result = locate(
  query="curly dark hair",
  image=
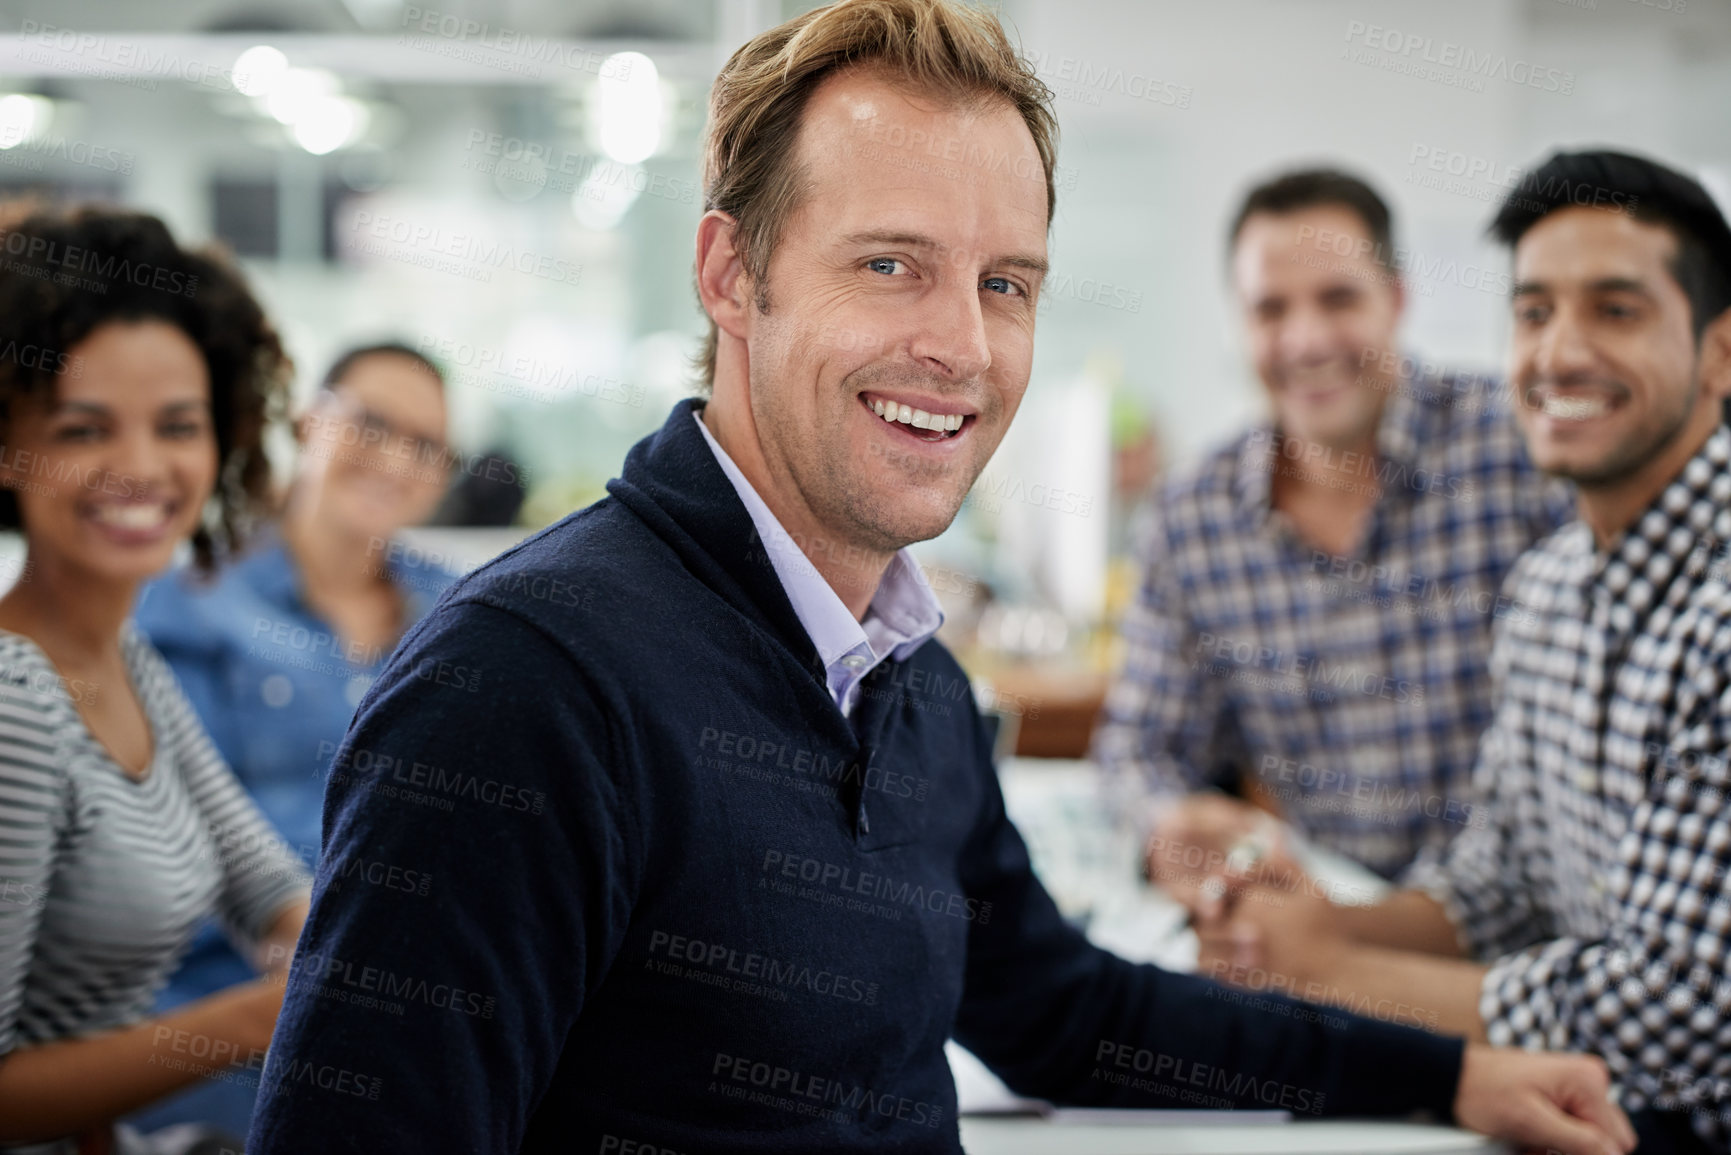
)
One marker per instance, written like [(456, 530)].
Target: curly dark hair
[(65, 274)]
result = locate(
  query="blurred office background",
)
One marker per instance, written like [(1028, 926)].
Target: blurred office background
[(511, 186)]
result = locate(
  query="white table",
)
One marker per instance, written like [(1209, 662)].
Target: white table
[(1090, 865), (994, 1136)]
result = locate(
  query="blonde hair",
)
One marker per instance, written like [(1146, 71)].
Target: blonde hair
[(756, 105)]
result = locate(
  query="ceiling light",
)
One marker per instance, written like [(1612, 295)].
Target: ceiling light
[(297, 89), (24, 117), (257, 70), (628, 107), (328, 123)]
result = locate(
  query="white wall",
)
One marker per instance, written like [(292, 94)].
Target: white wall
[(1157, 184)]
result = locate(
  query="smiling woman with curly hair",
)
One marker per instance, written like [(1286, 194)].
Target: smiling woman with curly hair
[(63, 277), (136, 381)]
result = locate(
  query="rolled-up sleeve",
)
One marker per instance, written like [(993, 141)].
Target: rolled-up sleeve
[(1650, 996), (1166, 720), (1479, 877)]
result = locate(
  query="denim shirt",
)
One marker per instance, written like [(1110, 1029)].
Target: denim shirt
[(272, 682)]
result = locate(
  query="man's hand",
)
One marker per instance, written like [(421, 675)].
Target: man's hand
[(1189, 854), (1558, 1102), (1292, 942), (1292, 933)]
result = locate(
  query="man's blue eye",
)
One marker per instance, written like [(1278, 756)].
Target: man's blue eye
[(1000, 285), (886, 265)]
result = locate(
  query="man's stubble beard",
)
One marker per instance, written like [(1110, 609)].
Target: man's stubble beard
[(1630, 458), (827, 487), (1364, 424), (876, 523)]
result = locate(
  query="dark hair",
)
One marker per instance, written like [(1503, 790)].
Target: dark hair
[(1647, 191), (350, 358), (1312, 187), (65, 274)]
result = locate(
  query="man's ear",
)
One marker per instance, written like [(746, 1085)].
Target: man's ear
[(1716, 356), (722, 283)]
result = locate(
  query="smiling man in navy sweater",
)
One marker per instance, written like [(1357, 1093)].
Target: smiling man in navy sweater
[(715, 855)]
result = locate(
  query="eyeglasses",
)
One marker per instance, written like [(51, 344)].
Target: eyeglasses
[(373, 430)]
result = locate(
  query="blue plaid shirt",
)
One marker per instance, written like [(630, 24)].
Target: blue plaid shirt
[(1353, 689)]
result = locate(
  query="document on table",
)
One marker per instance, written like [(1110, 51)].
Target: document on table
[(979, 1092), (1122, 1117)]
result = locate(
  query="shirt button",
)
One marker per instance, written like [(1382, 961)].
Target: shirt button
[(854, 661), (277, 691), (357, 688)]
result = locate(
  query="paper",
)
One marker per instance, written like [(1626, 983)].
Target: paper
[(1122, 1117)]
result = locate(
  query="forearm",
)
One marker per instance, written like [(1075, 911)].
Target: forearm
[(1442, 992), (1413, 990), (1262, 1050), (277, 946), (71, 1085), (1407, 920), (1058, 1019)]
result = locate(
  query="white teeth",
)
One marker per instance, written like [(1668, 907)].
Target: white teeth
[(1573, 408), (136, 517), (918, 418)]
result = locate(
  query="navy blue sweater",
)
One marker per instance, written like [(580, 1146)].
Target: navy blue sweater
[(604, 865)]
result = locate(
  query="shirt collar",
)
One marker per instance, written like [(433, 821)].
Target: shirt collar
[(904, 612), (1397, 434), (1678, 533), (270, 570)]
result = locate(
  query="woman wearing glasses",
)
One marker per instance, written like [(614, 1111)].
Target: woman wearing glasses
[(136, 381), (277, 651)]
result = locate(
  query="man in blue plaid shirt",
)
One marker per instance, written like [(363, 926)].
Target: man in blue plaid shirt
[(1313, 627), (1593, 902)]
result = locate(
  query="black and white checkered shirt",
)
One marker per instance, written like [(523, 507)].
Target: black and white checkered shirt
[(1352, 689), (1597, 889)]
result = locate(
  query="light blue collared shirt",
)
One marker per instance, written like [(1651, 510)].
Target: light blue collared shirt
[(903, 613)]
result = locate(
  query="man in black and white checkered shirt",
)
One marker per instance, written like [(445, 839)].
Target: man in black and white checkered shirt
[(1593, 899)]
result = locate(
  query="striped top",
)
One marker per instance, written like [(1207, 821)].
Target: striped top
[(104, 878)]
